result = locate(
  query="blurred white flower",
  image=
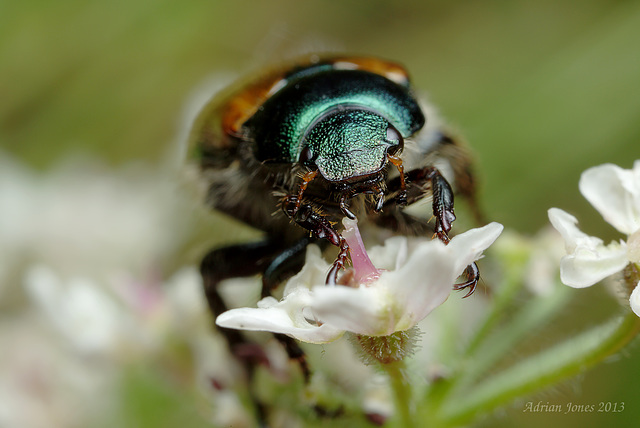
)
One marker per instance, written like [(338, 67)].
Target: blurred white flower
[(615, 193), (43, 385), (84, 218), (378, 401), (78, 309), (542, 252), (377, 303), (541, 277), (81, 249)]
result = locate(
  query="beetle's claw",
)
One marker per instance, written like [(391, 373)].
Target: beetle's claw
[(332, 276), (344, 207), (338, 264), (442, 232), (443, 224), (472, 273)]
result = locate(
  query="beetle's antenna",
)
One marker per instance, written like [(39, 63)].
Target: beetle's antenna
[(397, 162), (306, 179)]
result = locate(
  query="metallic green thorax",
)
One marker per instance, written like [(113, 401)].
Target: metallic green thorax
[(349, 144), (289, 118)]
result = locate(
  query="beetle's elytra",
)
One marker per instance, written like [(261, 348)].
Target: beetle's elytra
[(293, 150)]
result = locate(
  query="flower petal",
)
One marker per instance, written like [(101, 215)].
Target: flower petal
[(470, 244), (397, 300), (588, 260), (615, 193), (634, 300), (423, 283), (587, 267), (391, 255), (312, 273), (401, 298), (362, 310), (284, 317), (426, 280), (573, 237)]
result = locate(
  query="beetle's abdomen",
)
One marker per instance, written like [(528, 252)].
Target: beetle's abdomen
[(280, 123)]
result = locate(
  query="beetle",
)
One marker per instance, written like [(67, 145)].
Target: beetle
[(295, 149)]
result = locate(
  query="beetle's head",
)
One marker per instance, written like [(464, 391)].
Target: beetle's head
[(350, 144)]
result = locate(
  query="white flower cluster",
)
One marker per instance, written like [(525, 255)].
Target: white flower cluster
[(417, 276), (80, 285), (615, 193)]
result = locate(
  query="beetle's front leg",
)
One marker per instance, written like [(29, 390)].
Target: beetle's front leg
[(305, 216), (443, 211), (472, 275), (442, 196), (442, 204)]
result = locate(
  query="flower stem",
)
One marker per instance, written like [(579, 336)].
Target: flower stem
[(546, 368), (515, 262), (401, 390)]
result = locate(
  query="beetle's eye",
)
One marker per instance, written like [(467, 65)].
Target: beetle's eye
[(306, 157), (393, 135)]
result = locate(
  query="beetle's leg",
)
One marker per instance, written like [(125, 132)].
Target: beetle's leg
[(472, 275), (344, 207), (442, 203), (320, 228), (379, 198), (284, 265), (454, 150), (287, 263), (229, 262), (442, 195), (246, 260)]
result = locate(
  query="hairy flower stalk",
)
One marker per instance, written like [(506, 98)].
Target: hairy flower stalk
[(387, 352), (386, 349)]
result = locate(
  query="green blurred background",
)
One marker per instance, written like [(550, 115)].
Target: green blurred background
[(541, 89)]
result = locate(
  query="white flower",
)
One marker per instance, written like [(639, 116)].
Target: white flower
[(78, 309), (81, 218), (43, 385), (420, 276), (615, 193), (82, 249)]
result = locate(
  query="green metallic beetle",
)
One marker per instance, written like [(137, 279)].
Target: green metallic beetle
[(314, 141)]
